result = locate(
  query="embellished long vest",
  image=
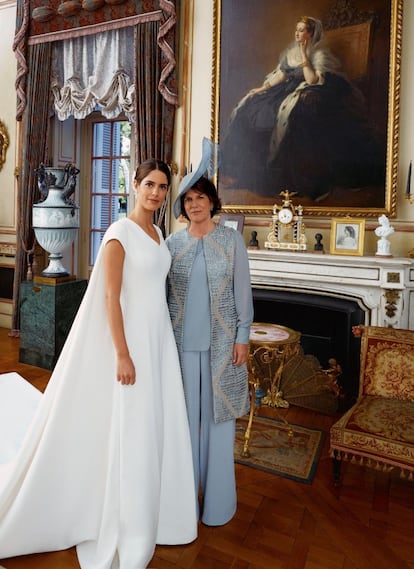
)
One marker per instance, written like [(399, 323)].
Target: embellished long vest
[(230, 385)]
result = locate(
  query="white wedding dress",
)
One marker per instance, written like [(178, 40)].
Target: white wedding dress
[(102, 466)]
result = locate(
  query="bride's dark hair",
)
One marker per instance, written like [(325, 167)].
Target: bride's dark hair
[(148, 166)]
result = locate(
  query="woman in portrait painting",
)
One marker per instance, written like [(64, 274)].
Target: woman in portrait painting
[(305, 128)]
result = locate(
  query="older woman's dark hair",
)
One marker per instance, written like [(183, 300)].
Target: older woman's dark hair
[(148, 166), (204, 186)]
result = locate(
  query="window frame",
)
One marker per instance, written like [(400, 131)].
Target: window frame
[(87, 193)]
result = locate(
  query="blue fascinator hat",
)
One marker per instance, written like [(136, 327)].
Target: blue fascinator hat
[(208, 166)]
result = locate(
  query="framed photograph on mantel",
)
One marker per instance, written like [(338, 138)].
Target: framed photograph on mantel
[(234, 221), (347, 236), (307, 104)]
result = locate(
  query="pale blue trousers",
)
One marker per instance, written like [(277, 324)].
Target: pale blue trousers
[(212, 443)]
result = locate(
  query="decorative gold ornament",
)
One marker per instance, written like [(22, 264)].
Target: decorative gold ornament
[(288, 229), (392, 298), (4, 143)]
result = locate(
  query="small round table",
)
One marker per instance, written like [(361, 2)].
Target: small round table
[(270, 345)]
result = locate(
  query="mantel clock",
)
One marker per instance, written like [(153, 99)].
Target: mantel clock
[(288, 229)]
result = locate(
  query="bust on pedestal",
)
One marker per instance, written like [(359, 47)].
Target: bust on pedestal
[(253, 243), (383, 230)]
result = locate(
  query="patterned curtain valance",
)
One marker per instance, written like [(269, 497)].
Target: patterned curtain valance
[(60, 19), (40, 21)]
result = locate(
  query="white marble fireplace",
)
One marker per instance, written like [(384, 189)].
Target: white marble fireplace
[(323, 296), (382, 287)]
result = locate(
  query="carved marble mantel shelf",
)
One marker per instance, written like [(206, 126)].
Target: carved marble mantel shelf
[(382, 286)]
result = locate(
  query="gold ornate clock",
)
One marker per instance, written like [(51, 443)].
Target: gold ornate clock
[(288, 229)]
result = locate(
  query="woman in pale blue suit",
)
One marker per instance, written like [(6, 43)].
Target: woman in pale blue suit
[(211, 307)]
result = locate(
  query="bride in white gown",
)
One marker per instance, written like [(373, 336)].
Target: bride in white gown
[(106, 461)]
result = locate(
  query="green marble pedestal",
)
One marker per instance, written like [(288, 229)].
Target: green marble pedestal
[(46, 315)]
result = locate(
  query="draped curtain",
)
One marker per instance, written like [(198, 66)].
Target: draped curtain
[(154, 117), (33, 152), (95, 70), (130, 69)]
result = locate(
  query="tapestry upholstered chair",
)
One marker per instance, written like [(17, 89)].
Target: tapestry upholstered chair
[(378, 430)]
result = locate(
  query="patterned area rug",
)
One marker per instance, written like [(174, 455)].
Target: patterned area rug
[(287, 450)]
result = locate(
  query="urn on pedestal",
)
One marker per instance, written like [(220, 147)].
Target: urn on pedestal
[(56, 217)]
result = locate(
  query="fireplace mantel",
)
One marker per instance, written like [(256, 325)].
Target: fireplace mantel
[(382, 286)]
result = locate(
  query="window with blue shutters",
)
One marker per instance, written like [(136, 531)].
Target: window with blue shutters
[(110, 178)]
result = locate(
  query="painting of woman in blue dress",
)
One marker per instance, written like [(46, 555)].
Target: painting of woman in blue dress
[(305, 129)]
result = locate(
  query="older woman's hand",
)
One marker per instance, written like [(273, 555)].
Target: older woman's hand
[(240, 354)]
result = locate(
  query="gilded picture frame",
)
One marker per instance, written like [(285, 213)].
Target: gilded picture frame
[(347, 236), (234, 221), (4, 143), (247, 42)]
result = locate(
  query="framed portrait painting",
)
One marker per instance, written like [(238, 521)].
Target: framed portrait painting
[(234, 221), (347, 236), (307, 104)]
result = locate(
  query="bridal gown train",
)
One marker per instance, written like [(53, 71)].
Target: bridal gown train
[(105, 467)]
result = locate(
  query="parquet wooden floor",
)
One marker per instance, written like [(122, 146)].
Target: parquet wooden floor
[(366, 523)]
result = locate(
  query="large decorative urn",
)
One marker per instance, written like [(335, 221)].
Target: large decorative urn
[(56, 216)]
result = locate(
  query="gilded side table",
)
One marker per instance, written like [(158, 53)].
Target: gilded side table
[(270, 345)]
